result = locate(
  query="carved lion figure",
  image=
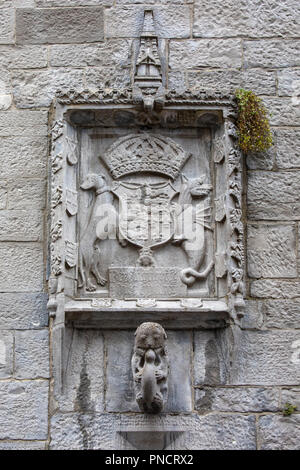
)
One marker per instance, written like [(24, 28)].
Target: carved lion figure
[(150, 367)]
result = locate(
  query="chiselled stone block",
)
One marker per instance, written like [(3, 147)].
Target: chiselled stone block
[(275, 289), (113, 53), (282, 313), (23, 311), (37, 88), (47, 26), (32, 354), (289, 84), (23, 445), (3, 194), (274, 53), (277, 432), (273, 196), (6, 26), (26, 194), (282, 111), (6, 354), (234, 399), (288, 143), (23, 123), (291, 396), (172, 21), (225, 53), (253, 318), (272, 251), (275, 354), (245, 18), (209, 358), (25, 157), (21, 267), (23, 57), (24, 409), (21, 225)]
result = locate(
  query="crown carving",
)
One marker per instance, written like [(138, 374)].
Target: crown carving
[(138, 153)]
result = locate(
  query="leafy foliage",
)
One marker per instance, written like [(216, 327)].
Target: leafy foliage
[(289, 409), (253, 125)]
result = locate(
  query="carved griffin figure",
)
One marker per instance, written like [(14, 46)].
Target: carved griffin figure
[(150, 367)]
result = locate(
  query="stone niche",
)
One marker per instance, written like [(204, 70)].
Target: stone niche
[(145, 212)]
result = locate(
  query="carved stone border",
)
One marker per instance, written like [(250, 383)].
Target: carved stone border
[(63, 245)]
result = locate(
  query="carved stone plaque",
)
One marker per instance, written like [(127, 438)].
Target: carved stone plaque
[(146, 283)]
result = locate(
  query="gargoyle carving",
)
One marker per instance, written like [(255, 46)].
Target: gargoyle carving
[(150, 367)]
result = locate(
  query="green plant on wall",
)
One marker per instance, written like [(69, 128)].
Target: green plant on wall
[(253, 125), (289, 409)]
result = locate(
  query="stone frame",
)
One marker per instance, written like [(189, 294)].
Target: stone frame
[(64, 307)]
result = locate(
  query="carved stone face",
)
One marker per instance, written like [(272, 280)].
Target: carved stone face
[(150, 336), (198, 188), (93, 181)]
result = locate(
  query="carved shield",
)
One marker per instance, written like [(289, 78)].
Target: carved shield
[(146, 212), (71, 202)]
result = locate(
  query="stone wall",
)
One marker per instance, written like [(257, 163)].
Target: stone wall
[(241, 378)]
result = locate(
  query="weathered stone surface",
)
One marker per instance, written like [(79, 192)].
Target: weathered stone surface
[(262, 161), (236, 399), (3, 194), (23, 122), (177, 80), (282, 111), (277, 432), (275, 289), (265, 358), (273, 196), (24, 409), (292, 396), (23, 57), (288, 144), (21, 267), (209, 359), (84, 378), (61, 25), (288, 82), (23, 445), (6, 354), (282, 314), (32, 354), (105, 77), (21, 225), (6, 26), (37, 88), (261, 82), (23, 311), (193, 54), (24, 157), (100, 431), (113, 53), (83, 431), (271, 53), (72, 3), (272, 251), (127, 21), (253, 318), (26, 194), (120, 392), (249, 18), (5, 102)]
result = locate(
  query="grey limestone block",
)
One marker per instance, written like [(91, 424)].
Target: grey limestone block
[(248, 18), (275, 288), (21, 267), (236, 399), (23, 311), (282, 313), (24, 409), (195, 53), (272, 251), (32, 354), (273, 195), (26, 193), (274, 53), (21, 225), (7, 26), (23, 123), (23, 57), (277, 432), (6, 354), (24, 157), (61, 25), (288, 144), (266, 358)]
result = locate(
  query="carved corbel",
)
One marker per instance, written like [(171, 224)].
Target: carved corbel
[(150, 367)]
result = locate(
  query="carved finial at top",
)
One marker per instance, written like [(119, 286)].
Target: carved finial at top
[(148, 80)]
